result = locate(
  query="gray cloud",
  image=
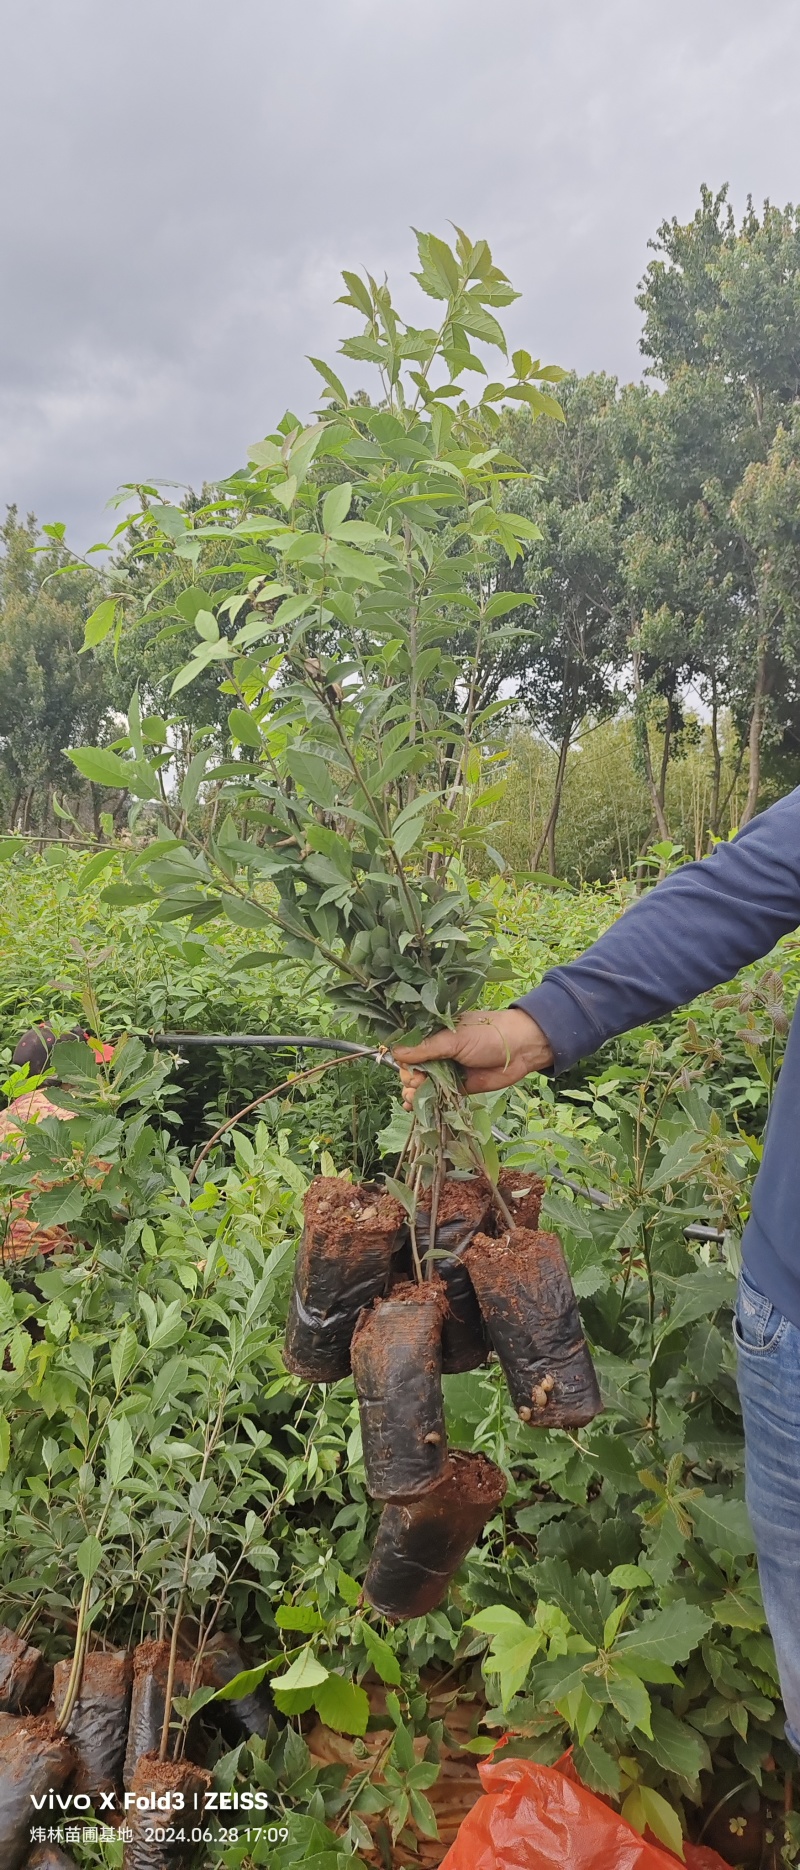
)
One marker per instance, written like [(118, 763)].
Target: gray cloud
[(183, 182)]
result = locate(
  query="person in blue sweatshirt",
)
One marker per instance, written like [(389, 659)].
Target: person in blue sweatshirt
[(694, 931)]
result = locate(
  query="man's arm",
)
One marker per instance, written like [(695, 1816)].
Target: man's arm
[(691, 932)]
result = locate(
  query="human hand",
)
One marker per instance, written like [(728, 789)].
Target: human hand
[(493, 1049)]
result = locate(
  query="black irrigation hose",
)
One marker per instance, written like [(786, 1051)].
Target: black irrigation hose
[(267, 1042)]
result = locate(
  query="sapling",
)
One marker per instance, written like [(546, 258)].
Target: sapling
[(349, 585)]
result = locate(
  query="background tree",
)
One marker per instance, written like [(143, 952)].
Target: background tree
[(565, 667), (722, 308), (49, 693)]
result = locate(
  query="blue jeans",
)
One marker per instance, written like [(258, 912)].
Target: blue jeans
[(768, 1348)]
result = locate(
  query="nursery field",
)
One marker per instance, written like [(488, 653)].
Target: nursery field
[(338, 1442), (166, 1480)]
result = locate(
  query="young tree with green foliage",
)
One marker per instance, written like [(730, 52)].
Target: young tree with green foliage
[(351, 628)]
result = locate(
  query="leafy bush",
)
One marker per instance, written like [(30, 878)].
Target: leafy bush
[(622, 1558)]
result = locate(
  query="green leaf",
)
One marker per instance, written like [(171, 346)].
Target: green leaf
[(667, 1636), (123, 1355), (678, 1748), (697, 1295), (206, 626), (342, 1705), (189, 603), (596, 1768), (383, 1659), (305, 1672), (722, 1524), (513, 1647), (423, 1814), (358, 295), (407, 833), (266, 454), (189, 1705), (127, 895), (245, 1683), (193, 777), (646, 1810), (120, 1451), (101, 766), (354, 564), (169, 1329), (245, 914), (349, 1588), (244, 728), (170, 518), (630, 1698), (208, 653), (328, 376), (90, 871), (301, 1617), (100, 623), (310, 772), (5, 1443), (89, 1557), (60, 1205), (629, 1577), (587, 1602), (336, 506)]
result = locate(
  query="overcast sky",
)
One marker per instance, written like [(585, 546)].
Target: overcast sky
[(183, 180)]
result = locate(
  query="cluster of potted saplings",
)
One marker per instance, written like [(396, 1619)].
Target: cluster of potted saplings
[(400, 1303), (86, 1746)]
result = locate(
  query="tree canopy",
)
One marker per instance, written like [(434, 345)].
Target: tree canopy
[(656, 545)]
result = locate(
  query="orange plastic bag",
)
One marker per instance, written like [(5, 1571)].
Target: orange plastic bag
[(535, 1818)]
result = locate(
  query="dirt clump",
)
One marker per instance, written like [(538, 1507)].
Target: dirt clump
[(526, 1297), (397, 1366), (421, 1543), (98, 1724), (351, 1233), (26, 1679)]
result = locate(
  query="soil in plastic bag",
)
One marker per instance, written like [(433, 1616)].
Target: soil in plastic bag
[(397, 1365), (98, 1724), (350, 1236), (25, 1678), (465, 1209), (153, 1779), (523, 1195), (534, 1818), (148, 1701), (525, 1293), (223, 1660), (34, 1760), (49, 1857), (421, 1544)]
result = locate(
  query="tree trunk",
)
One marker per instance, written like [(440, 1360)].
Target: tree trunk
[(656, 799), (716, 760), (662, 778), (656, 795), (548, 836), (754, 737)]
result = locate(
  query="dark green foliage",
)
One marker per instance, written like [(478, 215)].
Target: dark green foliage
[(628, 1538)]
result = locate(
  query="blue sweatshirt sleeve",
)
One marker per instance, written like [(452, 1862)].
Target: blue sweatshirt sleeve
[(691, 932)]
